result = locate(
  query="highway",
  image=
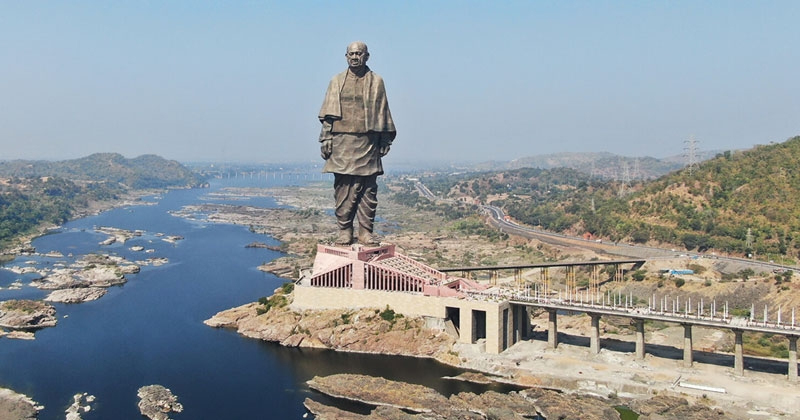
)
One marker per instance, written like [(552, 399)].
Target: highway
[(497, 218)]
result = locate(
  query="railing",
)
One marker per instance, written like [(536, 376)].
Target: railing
[(388, 279), (617, 306)]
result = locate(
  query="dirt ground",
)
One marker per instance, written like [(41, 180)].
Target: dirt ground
[(614, 371)]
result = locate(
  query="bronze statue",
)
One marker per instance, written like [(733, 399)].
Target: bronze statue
[(357, 130)]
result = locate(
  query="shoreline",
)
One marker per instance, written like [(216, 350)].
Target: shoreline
[(21, 244), (20, 406), (615, 377)]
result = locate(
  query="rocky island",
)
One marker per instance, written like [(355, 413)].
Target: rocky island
[(156, 402), (26, 315), (17, 406)]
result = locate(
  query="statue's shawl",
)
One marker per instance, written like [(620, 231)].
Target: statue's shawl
[(376, 108)]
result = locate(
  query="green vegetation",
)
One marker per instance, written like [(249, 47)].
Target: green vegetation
[(287, 288), (24, 306), (745, 203), (27, 203), (390, 315), (697, 268), (475, 226), (765, 344), (37, 193), (278, 300)]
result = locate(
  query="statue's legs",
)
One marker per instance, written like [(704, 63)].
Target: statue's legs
[(345, 206), (367, 204), (356, 197)]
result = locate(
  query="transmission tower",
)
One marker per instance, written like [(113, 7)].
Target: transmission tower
[(690, 153), (626, 179), (748, 240)]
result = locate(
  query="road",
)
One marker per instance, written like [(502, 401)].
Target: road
[(497, 218)]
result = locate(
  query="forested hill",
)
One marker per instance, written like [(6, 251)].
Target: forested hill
[(36, 194), (146, 171), (744, 202)]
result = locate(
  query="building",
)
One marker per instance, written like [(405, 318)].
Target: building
[(374, 277)]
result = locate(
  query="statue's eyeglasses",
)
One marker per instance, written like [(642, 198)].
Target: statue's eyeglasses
[(355, 53)]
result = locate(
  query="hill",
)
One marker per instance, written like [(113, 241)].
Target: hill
[(745, 202), (36, 194), (146, 171), (599, 165)]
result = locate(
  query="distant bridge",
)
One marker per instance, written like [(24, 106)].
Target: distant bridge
[(569, 267)]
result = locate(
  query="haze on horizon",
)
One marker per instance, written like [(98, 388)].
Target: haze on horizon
[(466, 81)]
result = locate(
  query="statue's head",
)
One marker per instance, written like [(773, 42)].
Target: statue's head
[(357, 55)]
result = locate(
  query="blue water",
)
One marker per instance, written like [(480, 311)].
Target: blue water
[(150, 330)]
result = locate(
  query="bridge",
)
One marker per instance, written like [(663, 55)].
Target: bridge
[(657, 310), (544, 267), (500, 315)]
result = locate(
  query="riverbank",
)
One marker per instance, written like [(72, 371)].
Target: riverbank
[(612, 377), (22, 244), (85, 281)]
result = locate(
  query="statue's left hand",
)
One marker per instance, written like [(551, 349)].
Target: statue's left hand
[(384, 149), (326, 148)]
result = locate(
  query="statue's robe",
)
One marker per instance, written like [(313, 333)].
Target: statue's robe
[(356, 151)]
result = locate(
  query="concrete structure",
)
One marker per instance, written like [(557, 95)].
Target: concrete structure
[(376, 277), (357, 277)]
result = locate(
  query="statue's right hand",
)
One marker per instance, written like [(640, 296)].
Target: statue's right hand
[(326, 148)]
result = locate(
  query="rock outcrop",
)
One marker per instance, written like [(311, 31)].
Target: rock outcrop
[(14, 406), (156, 402), (396, 399), (81, 281), (556, 405), (81, 403), (26, 315), (663, 407), (363, 330), (78, 295), (379, 391)]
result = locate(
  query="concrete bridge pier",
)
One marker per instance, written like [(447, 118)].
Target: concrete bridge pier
[(687, 345), (738, 355), (792, 358), (552, 328), (594, 339), (639, 324), (523, 320)]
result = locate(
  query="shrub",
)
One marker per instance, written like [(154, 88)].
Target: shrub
[(390, 315), (274, 301), (287, 288), (679, 282)]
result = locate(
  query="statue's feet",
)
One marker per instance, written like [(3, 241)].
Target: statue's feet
[(345, 237), (366, 237)]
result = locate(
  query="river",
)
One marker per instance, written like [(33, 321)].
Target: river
[(150, 330)]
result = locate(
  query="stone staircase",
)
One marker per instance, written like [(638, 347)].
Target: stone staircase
[(406, 266)]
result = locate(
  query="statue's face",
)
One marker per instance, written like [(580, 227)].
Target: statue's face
[(357, 55)]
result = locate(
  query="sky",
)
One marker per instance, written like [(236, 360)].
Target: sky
[(243, 81)]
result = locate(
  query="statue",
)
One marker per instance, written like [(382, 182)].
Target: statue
[(357, 131)]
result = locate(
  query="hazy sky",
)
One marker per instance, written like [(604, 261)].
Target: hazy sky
[(466, 80)]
